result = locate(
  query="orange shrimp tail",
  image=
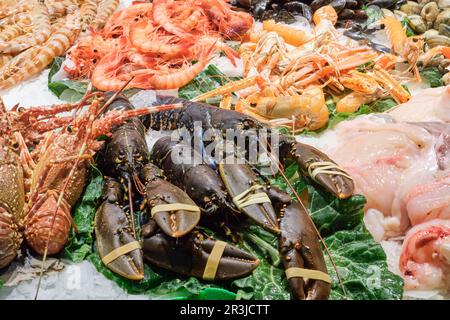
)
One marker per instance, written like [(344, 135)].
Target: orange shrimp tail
[(446, 52)]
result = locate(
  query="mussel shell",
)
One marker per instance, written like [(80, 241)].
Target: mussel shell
[(417, 23), (444, 4), (259, 7), (351, 4), (316, 4), (382, 3), (429, 13), (347, 14), (387, 13), (411, 7), (338, 5), (430, 33), (438, 40), (300, 8), (400, 15), (442, 18), (361, 14), (444, 29)]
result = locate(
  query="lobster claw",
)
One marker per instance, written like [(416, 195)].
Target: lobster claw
[(249, 196), (113, 235), (172, 209), (319, 167), (196, 255), (300, 251)]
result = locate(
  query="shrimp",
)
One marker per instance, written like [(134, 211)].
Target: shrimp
[(115, 25), (409, 48), (430, 54), (4, 59), (88, 10), (104, 76), (192, 20), (41, 32), (21, 7), (104, 11), (147, 79), (143, 37), (161, 17), (35, 59), (291, 35)]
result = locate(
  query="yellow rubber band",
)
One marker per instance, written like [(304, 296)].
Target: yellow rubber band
[(325, 167), (246, 198), (173, 207), (113, 255), (213, 260), (307, 273)]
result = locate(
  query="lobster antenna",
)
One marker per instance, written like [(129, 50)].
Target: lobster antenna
[(341, 284), (130, 200), (66, 183)]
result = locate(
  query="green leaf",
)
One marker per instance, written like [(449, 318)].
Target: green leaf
[(406, 23), (362, 266), (68, 90), (56, 65), (207, 80), (432, 76), (80, 244)]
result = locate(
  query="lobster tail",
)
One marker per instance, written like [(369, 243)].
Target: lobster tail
[(42, 225)]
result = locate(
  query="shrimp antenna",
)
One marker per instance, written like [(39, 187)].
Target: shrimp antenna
[(83, 148)]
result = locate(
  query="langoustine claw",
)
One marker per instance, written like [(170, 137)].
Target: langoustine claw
[(172, 209), (300, 250), (114, 234), (196, 255)]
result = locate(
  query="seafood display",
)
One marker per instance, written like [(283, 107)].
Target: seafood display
[(400, 162), (226, 149), (155, 44), (33, 33), (171, 231)]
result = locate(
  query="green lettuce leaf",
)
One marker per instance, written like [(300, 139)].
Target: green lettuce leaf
[(362, 266), (433, 76), (209, 79)]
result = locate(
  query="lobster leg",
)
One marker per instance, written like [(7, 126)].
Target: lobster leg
[(196, 255), (113, 232), (318, 166), (300, 250)]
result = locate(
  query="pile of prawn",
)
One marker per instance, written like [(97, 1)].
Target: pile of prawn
[(287, 72), (153, 45), (34, 32)]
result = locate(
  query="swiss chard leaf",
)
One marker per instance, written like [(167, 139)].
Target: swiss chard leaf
[(362, 267), (432, 76), (209, 79)]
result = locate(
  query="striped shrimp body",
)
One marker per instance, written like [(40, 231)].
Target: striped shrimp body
[(35, 59), (4, 58), (21, 7), (41, 31), (104, 10), (88, 10)]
